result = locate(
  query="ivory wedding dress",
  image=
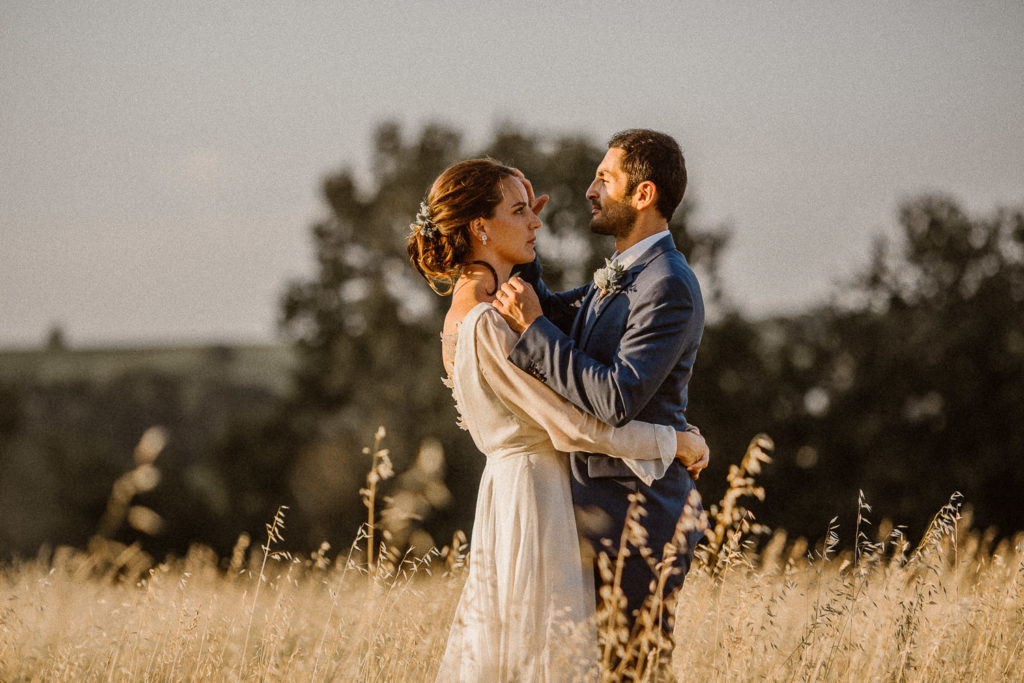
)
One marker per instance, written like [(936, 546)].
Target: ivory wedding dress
[(524, 613)]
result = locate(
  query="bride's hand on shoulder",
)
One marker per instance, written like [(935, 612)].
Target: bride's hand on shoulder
[(692, 451), (517, 302)]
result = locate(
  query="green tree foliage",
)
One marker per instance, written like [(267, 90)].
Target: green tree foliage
[(937, 347), (910, 386)]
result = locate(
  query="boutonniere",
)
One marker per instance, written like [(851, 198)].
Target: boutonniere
[(609, 279)]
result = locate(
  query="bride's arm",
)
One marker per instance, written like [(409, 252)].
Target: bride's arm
[(647, 448)]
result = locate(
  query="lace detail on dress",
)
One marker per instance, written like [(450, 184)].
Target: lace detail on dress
[(448, 344)]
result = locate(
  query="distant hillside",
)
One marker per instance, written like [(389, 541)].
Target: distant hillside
[(267, 366)]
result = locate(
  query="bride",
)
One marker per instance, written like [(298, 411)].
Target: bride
[(523, 613)]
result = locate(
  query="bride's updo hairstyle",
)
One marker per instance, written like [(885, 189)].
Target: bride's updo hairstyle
[(439, 244)]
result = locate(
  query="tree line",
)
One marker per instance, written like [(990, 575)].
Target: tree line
[(908, 384)]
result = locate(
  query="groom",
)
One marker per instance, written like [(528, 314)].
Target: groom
[(622, 348)]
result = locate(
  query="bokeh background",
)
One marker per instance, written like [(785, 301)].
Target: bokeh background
[(203, 209)]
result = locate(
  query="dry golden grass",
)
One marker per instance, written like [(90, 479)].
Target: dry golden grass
[(951, 608)]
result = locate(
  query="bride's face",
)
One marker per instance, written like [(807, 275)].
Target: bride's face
[(512, 230)]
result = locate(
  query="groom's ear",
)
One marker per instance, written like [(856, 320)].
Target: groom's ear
[(645, 194)]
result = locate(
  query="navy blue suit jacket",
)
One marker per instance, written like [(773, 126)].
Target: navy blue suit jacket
[(632, 360)]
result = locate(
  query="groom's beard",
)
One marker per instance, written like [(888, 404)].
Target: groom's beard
[(616, 219)]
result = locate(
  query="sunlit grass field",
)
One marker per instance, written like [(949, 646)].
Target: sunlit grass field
[(949, 608)]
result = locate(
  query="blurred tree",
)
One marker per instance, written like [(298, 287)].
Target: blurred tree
[(937, 347), (56, 339), (367, 327), (910, 386)]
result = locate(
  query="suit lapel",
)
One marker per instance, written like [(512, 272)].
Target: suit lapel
[(658, 248), (600, 306), (579, 322)]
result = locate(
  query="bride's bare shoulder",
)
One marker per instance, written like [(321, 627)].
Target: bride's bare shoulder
[(459, 309)]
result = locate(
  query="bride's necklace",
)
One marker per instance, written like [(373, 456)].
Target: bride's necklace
[(478, 276)]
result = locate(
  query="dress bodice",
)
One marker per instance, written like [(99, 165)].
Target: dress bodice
[(497, 430)]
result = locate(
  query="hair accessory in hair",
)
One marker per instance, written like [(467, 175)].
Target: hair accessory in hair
[(424, 223)]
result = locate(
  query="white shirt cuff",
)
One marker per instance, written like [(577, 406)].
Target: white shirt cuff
[(649, 470)]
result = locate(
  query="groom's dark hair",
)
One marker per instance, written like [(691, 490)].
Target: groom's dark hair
[(650, 155)]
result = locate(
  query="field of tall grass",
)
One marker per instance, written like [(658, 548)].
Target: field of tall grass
[(950, 607)]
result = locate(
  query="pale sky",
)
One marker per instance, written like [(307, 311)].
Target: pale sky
[(161, 162)]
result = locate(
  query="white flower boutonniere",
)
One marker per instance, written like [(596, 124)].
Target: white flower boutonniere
[(609, 279)]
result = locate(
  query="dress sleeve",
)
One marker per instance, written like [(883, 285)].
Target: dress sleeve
[(647, 449)]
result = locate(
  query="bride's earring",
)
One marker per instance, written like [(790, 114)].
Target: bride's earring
[(483, 238)]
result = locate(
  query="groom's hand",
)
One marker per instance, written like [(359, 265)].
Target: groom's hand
[(536, 204), (518, 304), (692, 451)]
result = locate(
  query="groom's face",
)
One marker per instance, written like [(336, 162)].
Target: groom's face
[(612, 212)]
